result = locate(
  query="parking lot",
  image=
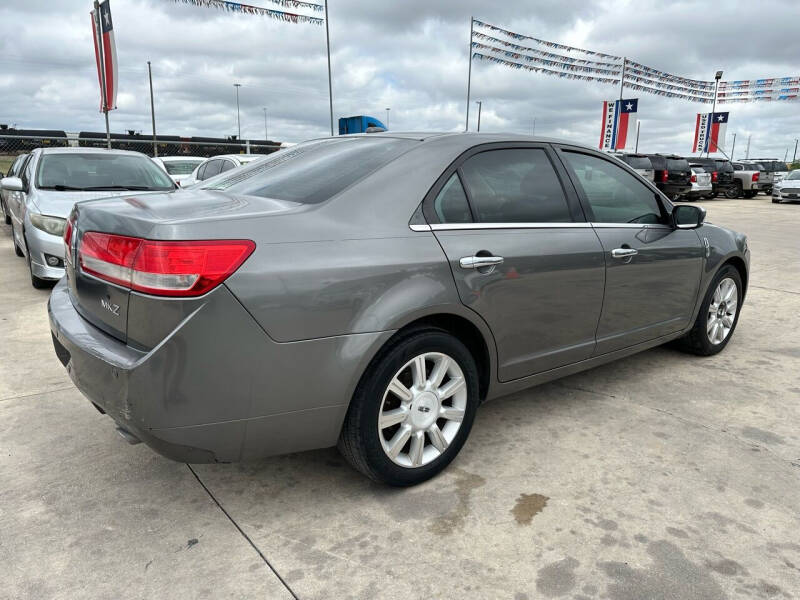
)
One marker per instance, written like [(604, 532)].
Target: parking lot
[(663, 475)]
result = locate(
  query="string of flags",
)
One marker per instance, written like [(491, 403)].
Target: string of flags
[(279, 15), (634, 75)]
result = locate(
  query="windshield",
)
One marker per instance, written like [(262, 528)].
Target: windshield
[(313, 171), (638, 162), (793, 175), (181, 167), (100, 171)]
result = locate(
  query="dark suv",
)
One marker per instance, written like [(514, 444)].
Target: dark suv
[(722, 180), (671, 174), (775, 170)]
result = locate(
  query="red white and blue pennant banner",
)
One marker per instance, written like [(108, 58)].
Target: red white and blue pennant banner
[(280, 15), (105, 54), (618, 123), (635, 75), (709, 132)]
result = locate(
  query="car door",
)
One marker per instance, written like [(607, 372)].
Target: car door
[(652, 269), (522, 254), (18, 200)]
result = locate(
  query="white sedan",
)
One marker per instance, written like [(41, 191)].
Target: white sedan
[(179, 167), (218, 164)]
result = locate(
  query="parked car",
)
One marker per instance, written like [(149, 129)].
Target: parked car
[(672, 174), (56, 178), (638, 162), (372, 291), (5, 195), (788, 188), (701, 184), (179, 167), (775, 171), (218, 164), (722, 180), (747, 176)]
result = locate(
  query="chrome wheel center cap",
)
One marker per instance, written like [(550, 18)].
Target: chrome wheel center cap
[(721, 310), (424, 410)]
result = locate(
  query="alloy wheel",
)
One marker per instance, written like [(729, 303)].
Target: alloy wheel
[(422, 409), (722, 311)]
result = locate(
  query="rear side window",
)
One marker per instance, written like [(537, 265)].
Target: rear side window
[(212, 168), (312, 172), (227, 165), (451, 205), (614, 195), (515, 186)]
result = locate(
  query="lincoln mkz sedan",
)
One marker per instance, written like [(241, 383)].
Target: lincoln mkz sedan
[(371, 291)]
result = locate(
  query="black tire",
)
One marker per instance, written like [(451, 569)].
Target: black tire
[(749, 194), (712, 195), (359, 441), (17, 250), (697, 340), (776, 201), (734, 191)]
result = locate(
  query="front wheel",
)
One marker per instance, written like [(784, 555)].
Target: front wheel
[(413, 409), (718, 314), (734, 191)]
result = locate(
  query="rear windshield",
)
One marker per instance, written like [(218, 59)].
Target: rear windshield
[(781, 167), (181, 167), (100, 171), (698, 169), (312, 172), (638, 162), (723, 166), (677, 164)]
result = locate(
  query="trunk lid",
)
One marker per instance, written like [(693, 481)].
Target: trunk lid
[(187, 215)]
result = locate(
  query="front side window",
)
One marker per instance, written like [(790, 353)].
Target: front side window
[(451, 205), (614, 195), (100, 171), (516, 185)]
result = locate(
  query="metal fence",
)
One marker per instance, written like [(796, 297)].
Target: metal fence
[(13, 145)]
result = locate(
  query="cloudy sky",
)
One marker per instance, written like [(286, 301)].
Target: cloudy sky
[(409, 55)]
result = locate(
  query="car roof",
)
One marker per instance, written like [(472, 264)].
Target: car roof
[(170, 158), (87, 151)]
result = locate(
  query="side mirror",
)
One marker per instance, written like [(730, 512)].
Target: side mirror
[(685, 216), (12, 184)]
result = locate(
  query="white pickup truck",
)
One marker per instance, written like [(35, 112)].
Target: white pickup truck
[(748, 177)]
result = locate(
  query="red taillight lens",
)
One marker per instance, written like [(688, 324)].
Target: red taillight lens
[(664, 177), (694, 178), (755, 176), (714, 177), (186, 268)]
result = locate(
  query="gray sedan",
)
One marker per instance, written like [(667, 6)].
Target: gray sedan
[(51, 181), (371, 291)]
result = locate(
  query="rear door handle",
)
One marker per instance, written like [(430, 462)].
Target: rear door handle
[(624, 252), (477, 262)]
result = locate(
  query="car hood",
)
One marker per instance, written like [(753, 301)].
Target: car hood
[(59, 204), (792, 183)]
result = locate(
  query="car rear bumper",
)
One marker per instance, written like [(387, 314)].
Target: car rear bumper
[(217, 389)]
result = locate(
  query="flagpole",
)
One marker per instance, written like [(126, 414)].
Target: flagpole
[(638, 124), (469, 71), (717, 77), (328, 44), (622, 78), (102, 52), (152, 109)]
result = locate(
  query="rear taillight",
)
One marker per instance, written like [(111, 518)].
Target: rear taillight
[(755, 176), (664, 177), (714, 177), (694, 178), (69, 230), (161, 268)]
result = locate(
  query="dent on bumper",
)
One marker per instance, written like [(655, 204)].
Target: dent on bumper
[(217, 388)]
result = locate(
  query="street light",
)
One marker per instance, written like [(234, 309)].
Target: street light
[(479, 103), (238, 120), (266, 136), (717, 77), (387, 117)]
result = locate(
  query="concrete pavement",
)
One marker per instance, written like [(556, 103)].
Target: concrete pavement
[(660, 476)]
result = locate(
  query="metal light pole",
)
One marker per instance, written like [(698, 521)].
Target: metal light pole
[(733, 147), (622, 78), (152, 109), (479, 103), (638, 125), (534, 125), (238, 119), (794, 157), (328, 45), (747, 151), (717, 77), (387, 117), (786, 154), (266, 136), (469, 72)]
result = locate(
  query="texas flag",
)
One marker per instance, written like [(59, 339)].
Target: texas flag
[(106, 56), (618, 123), (709, 132)]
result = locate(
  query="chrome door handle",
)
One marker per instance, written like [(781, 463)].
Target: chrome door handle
[(624, 252), (478, 262)]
